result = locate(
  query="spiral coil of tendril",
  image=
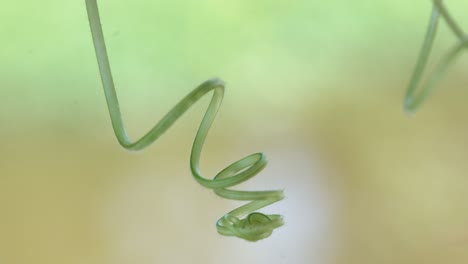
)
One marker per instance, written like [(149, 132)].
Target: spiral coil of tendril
[(254, 226), (413, 100)]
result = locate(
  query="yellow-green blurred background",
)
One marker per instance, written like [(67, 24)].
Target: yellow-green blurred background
[(317, 85)]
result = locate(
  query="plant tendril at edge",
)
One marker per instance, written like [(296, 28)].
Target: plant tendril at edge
[(413, 99)]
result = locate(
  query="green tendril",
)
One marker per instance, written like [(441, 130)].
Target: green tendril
[(413, 99), (254, 226)]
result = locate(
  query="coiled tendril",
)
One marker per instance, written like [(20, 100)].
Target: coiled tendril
[(413, 100), (254, 226)]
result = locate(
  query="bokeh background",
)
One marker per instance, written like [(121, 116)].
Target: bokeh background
[(317, 85)]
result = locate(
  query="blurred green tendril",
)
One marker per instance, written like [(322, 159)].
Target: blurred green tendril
[(254, 226), (413, 99)]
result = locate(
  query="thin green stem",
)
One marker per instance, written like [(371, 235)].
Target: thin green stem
[(255, 225), (456, 29), (413, 99)]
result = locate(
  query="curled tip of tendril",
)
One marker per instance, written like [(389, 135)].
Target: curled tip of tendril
[(255, 226), (413, 99)]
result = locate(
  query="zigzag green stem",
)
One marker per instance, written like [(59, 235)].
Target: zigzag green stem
[(412, 99), (254, 226)]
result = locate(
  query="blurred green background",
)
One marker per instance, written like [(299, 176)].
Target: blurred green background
[(317, 85)]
